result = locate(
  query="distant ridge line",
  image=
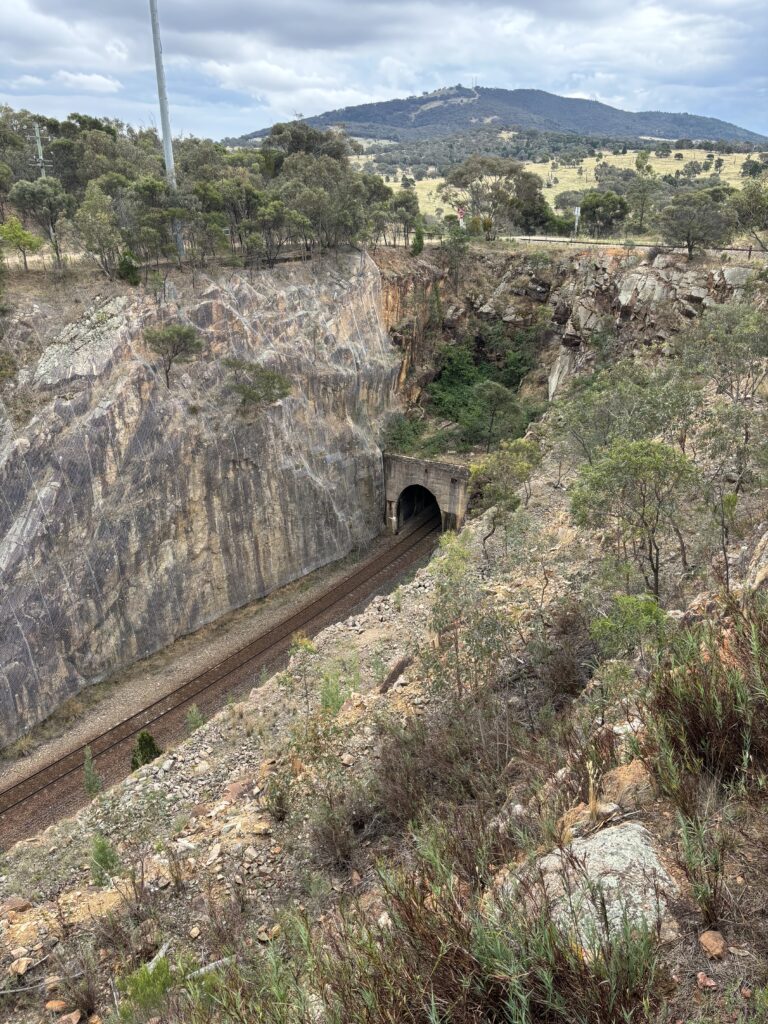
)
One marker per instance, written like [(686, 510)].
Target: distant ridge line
[(459, 109)]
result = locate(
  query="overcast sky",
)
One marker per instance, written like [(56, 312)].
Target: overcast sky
[(234, 66)]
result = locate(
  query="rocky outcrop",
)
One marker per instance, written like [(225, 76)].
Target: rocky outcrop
[(596, 295), (609, 880), (132, 514)]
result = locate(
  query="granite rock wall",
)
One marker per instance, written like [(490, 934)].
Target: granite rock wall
[(131, 514)]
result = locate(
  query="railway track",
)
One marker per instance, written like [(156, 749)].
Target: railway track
[(56, 790)]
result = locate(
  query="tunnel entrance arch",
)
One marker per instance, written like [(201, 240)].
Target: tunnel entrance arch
[(409, 481), (414, 502)]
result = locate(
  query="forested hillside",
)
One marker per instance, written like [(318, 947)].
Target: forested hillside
[(448, 111)]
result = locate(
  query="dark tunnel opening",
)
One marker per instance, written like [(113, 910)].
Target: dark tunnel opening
[(416, 502)]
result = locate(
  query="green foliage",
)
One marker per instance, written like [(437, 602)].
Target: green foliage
[(708, 707), (98, 230), (339, 678), (704, 849), (257, 385), (602, 212), (8, 365), (634, 621), (750, 206), (696, 220), (174, 343), (417, 246), (194, 719), (485, 410), (497, 479), (145, 990), (145, 751), (44, 201), (402, 434), (299, 190), (128, 268), (456, 246), (92, 781), (277, 794), (105, 862), (24, 242), (640, 493), (728, 346), (624, 402), (445, 959), (498, 476)]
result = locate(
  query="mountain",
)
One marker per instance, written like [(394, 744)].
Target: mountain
[(459, 109)]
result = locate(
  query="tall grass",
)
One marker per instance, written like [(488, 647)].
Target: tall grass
[(708, 707)]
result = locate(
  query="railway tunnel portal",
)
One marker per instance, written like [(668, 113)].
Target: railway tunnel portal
[(412, 485)]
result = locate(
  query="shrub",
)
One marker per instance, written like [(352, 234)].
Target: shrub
[(277, 796), (704, 849), (343, 818), (105, 862), (641, 493), (145, 989), (633, 621), (438, 955), (456, 755), (174, 343), (145, 751), (260, 988), (194, 719), (128, 268), (8, 367), (79, 977), (708, 705), (333, 692), (257, 385), (402, 434), (92, 781), (564, 659)]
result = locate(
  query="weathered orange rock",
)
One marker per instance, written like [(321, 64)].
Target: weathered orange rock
[(16, 904), (20, 966), (71, 1018), (713, 944), (56, 1006), (580, 818), (630, 786), (235, 790)]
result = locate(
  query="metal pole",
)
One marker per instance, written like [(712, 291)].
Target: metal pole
[(165, 118), (40, 157)]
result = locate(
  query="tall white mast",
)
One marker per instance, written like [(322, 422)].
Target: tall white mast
[(165, 117)]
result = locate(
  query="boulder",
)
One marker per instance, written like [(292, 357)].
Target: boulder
[(622, 864)]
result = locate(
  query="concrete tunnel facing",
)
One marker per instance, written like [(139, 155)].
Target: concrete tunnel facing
[(411, 485)]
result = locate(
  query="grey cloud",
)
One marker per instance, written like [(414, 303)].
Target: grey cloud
[(248, 62)]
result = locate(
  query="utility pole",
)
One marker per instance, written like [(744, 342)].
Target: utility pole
[(38, 160), (165, 118)]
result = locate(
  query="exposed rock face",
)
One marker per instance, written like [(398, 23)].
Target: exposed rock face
[(641, 302), (132, 514)]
